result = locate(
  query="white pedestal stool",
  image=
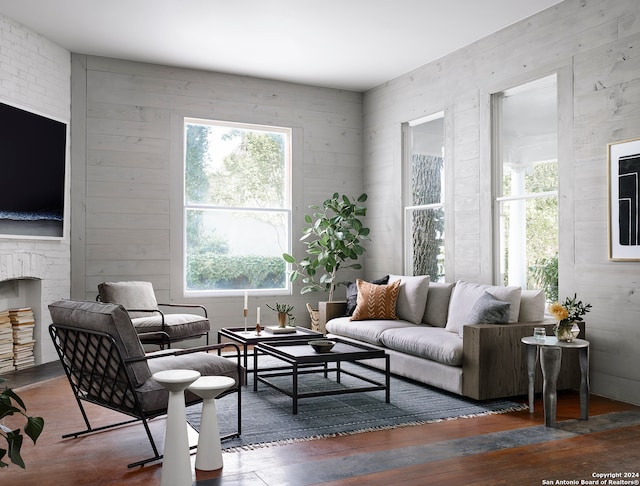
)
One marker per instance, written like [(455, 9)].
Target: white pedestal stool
[(176, 464), (209, 455)]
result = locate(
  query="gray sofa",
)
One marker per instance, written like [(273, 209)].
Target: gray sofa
[(446, 335)]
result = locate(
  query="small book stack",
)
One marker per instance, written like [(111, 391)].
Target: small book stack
[(280, 330), (22, 323), (6, 343)]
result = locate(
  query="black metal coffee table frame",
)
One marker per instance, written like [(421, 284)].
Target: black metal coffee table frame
[(302, 359), (251, 338)]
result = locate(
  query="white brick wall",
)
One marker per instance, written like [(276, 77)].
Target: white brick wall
[(35, 75)]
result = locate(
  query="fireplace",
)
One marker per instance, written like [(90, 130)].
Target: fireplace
[(32, 279)]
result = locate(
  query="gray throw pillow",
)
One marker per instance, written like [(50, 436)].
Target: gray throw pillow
[(489, 310)]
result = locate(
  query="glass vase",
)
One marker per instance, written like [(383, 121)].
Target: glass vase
[(566, 332)]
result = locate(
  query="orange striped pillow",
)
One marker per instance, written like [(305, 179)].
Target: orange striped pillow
[(376, 301)]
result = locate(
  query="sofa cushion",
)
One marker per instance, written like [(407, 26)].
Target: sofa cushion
[(437, 308), (433, 343), (177, 326), (131, 295), (412, 297), (376, 301), (465, 294), (532, 305), (112, 319), (489, 310), (154, 397), (352, 293), (367, 331)]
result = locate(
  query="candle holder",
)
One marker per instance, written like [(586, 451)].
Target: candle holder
[(245, 312)]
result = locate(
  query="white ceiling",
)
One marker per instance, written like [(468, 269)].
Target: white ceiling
[(348, 44)]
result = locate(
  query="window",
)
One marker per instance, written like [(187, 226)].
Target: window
[(237, 207), (526, 154), (424, 197)]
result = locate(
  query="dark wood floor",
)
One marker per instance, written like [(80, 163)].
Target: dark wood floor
[(512, 448)]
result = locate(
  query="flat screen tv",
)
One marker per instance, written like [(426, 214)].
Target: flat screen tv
[(33, 150)]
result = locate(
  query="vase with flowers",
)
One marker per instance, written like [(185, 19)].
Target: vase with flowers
[(568, 315)]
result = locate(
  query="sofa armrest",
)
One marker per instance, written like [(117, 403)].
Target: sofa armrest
[(494, 360), (329, 310)]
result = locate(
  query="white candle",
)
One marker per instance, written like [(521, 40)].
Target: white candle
[(246, 299), (258, 318)]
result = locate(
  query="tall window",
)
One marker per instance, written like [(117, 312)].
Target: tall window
[(237, 206), (526, 152), (424, 197)]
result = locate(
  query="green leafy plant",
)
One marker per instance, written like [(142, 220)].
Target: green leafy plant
[(33, 427), (284, 308), (571, 310), (544, 273), (332, 235), (284, 313)]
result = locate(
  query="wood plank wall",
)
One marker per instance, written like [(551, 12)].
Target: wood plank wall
[(594, 45), (127, 159)]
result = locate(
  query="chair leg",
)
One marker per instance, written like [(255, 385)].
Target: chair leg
[(239, 410), (156, 455), (89, 430), (239, 431)]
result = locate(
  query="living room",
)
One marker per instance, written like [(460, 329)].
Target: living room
[(125, 122)]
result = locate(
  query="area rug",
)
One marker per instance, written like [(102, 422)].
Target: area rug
[(267, 417)]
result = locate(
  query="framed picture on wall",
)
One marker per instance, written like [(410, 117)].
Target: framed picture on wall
[(624, 200), (33, 159)]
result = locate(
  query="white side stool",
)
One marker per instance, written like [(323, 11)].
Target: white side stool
[(176, 464), (209, 455)]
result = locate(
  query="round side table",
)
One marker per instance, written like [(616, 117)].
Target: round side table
[(550, 351), (176, 464), (209, 455)]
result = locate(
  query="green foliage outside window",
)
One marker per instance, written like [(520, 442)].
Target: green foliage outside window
[(541, 227), (544, 274), (209, 271)]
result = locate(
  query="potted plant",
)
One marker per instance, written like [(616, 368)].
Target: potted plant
[(284, 312), (33, 427), (333, 235)]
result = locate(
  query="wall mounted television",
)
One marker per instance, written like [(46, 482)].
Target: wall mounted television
[(33, 155)]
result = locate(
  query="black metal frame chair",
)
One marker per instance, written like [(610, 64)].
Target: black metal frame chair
[(102, 369), (153, 324)]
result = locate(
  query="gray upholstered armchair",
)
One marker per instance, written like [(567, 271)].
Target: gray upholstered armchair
[(154, 325), (106, 365)]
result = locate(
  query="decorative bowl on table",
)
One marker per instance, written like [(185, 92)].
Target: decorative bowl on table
[(322, 345)]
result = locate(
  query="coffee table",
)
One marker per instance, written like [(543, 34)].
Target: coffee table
[(251, 338), (300, 358)]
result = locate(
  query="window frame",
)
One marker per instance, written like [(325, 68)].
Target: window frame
[(286, 209), (408, 208), (498, 198)]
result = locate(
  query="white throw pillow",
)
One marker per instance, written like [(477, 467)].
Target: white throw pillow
[(532, 305), (465, 294), (412, 298)]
